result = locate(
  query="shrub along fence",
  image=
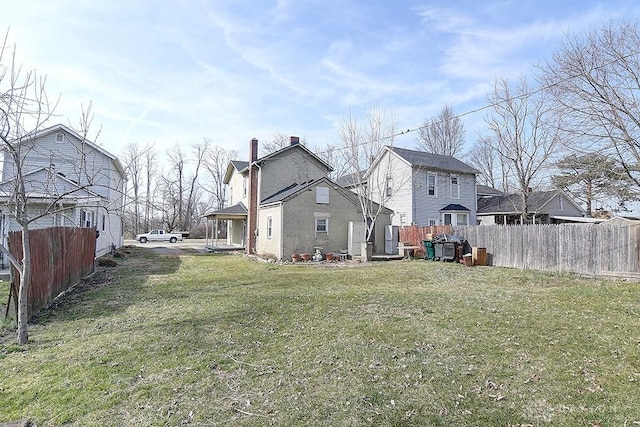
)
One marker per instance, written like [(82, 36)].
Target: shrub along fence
[(580, 248), (60, 257)]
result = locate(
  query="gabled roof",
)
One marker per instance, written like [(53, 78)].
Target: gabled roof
[(40, 183), (240, 165), (294, 189), (237, 165), (485, 190), (237, 209), (512, 203), (61, 127), (433, 161), (351, 180), (454, 207), (295, 146)]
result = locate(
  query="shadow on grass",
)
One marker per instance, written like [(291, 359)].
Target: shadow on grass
[(110, 289)]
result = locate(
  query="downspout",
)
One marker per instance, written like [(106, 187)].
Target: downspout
[(281, 231)]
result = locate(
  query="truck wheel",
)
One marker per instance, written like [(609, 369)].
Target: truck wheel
[(173, 240), (143, 240)]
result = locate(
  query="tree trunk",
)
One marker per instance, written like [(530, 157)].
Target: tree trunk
[(589, 197), (23, 289)]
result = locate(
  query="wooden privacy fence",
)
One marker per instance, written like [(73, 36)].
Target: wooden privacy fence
[(60, 257), (579, 248), (414, 235)]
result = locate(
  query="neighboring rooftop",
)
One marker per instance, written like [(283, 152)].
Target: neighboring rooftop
[(512, 203), (433, 161)]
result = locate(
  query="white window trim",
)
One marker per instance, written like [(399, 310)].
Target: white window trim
[(326, 219), (269, 227), (454, 217), (453, 186), (388, 191), (466, 214), (435, 185)]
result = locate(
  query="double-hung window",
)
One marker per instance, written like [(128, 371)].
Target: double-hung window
[(389, 187), (322, 225), (432, 185), (269, 227), (455, 186)]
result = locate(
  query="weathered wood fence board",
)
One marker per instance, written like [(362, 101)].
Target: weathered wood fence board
[(579, 248), (60, 257), (415, 235)]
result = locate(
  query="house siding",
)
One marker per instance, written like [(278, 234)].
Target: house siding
[(270, 245), (401, 200), (66, 157), (299, 213), (569, 208), (286, 168), (82, 163), (236, 188), (429, 207)]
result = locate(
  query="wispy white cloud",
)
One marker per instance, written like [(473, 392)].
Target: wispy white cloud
[(167, 72)]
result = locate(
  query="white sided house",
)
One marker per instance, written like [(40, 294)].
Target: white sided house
[(69, 181), (420, 188)]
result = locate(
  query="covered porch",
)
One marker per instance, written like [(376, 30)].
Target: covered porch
[(233, 220)]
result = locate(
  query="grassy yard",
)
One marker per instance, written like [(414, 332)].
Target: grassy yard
[(220, 340)]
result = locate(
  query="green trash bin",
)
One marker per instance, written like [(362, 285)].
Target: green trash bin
[(429, 251)]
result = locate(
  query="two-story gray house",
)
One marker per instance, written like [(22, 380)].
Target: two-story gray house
[(421, 188), (284, 203), (69, 181)]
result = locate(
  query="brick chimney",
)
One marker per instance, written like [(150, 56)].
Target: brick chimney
[(294, 140), (252, 209)]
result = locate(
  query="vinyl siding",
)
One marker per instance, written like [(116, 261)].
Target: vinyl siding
[(428, 207), (67, 160), (400, 200), (97, 172)]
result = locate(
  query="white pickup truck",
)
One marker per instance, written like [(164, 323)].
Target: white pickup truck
[(158, 236)]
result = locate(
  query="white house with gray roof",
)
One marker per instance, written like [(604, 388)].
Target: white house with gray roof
[(69, 181), (422, 188)]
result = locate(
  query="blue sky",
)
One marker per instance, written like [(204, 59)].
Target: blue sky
[(177, 71)]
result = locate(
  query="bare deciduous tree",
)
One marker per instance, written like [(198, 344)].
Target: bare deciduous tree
[(133, 164), (494, 170), (524, 131), (361, 142), (29, 194), (24, 109), (181, 191), (595, 79), (216, 163), (279, 141), (151, 169), (442, 134)]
